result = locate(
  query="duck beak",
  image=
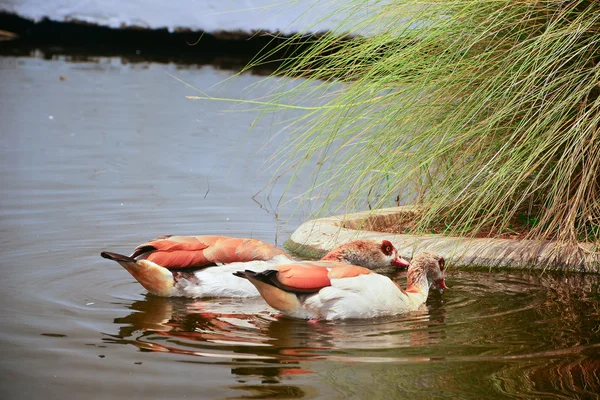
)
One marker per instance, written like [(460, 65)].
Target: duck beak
[(441, 284), (401, 262)]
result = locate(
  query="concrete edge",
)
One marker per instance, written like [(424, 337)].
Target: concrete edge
[(315, 237)]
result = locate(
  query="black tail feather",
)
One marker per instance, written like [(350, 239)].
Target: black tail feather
[(266, 276), (141, 250), (116, 257)]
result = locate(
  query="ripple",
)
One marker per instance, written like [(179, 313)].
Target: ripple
[(502, 325), (84, 183)]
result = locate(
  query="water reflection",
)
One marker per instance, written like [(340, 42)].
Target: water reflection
[(250, 330), (530, 332), (274, 392), (571, 374)]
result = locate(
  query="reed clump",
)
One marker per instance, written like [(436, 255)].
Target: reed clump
[(479, 112)]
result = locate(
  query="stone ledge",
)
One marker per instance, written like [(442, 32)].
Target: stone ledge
[(314, 238)]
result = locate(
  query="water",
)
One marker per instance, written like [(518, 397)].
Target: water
[(113, 155)]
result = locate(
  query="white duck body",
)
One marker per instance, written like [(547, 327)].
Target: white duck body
[(219, 281), (331, 290), (364, 296)]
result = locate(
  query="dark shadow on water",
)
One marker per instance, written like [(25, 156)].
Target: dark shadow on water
[(79, 41)]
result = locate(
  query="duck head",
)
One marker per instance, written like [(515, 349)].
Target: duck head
[(367, 253), (430, 265)]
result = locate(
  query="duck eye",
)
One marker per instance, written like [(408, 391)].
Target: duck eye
[(387, 248), (442, 263)]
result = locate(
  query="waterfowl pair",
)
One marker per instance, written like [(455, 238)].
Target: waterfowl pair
[(204, 266)]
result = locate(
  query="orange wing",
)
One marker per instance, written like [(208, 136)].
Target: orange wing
[(174, 252), (302, 277), (312, 276), (231, 250), (347, 271)]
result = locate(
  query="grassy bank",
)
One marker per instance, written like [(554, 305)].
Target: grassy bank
[(482, 113)]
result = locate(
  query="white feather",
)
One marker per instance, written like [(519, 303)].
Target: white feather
[(363, 296), (219, 281)]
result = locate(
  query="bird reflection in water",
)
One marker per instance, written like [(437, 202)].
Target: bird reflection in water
[(248, 334), (257, 342), (250, 326)]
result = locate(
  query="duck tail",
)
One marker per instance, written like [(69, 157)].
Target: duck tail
[(268, 287), (153, 277), (116, 257), (267, 276)]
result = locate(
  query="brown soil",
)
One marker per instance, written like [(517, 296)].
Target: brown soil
[(406, 225)]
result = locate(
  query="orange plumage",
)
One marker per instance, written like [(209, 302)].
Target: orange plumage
[(303, 276), (176, 252)]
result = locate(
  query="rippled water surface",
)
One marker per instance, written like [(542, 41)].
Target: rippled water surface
[(113, 155)]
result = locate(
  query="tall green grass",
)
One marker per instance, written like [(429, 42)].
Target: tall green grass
[(482, 112)]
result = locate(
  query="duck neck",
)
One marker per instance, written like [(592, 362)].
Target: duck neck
[(351, 255), (417, 285), (341, 255)]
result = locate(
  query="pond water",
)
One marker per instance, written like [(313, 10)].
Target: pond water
[(111, 155)]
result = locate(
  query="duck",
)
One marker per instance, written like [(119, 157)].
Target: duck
[(203, 266), (330, 290)]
